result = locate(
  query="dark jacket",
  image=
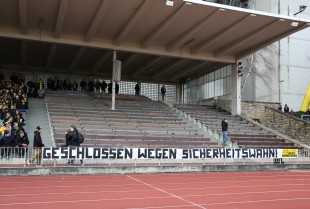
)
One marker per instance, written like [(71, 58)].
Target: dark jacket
[(224, 126), (7, 141), (286, 109), (103, 86), (68, 137), (22, 140), (75, 138), (163, 90), (137, 89), (110, 88), (37, 140)]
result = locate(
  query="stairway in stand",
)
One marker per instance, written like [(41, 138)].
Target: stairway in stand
[(37, 116)]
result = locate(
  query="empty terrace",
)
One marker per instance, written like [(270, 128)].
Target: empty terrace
[(136, 122), (242, 133)]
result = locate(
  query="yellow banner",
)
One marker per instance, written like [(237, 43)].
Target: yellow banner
[(290, 153)]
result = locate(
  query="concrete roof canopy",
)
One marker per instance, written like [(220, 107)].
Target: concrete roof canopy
[(155, 42)]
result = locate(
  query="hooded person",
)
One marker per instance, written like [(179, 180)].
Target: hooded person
[(37, 145)]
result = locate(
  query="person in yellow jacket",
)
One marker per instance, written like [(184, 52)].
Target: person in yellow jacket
[(4, 128)]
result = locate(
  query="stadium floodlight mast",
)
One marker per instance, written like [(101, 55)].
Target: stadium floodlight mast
[(301, 9)]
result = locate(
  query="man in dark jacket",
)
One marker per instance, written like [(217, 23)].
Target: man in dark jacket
[(110, 87), (103, 86), (137, 89), (83, 85), (74, 142), (286, 109), (224, 130), (163, 92), (6, 142), (37, 145), (68, 137), (22, 143), (91, 86)]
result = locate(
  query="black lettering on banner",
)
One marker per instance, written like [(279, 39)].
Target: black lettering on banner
[(215, 153), (151, 153), (185, 154), (154, 153), (80, 152), (47, 153), (238, 152), (259, 153), (273, 153), (86, 154), (165, 153), (142, 153), (228, 153), (265, 153), (112, 153), (54, 153), (209, 153), (71, 156), (158, 153), (105, 153), (64, 152), (120, 154), (202, 153), (222, 153), (128, 153), (96, 153), (245, 153), (252, 153), (195, 154), (172, 153)]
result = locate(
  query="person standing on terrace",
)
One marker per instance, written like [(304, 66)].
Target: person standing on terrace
[(163, 92), (224, 130)]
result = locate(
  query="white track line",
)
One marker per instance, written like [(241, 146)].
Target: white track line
[(119, 177), (170, 189), (131, 191), (73, 186), (226, 203), (167, 183), (168, 206), (178, 197), (77, 201), (256, 201)]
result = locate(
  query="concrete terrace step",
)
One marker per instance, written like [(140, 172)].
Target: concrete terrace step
[(239, 129), (134, 116)]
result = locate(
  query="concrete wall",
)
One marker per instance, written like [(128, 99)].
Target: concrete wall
[(290, 60), (148, 169), (255, 110), (287, 124), (270, 117)]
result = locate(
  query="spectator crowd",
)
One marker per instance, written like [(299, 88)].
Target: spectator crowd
[(13, 95)]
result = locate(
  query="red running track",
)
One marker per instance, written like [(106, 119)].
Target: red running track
[(233, 190)]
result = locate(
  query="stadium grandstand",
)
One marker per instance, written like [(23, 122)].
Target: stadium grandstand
[(152, 86)]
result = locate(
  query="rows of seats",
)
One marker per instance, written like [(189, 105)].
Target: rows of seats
[(136, 121), (241, 132)]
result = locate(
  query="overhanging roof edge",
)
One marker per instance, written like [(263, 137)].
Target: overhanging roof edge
[(222, 6)]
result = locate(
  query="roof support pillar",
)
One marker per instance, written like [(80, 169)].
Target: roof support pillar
[(235, 91), (113, 84)]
